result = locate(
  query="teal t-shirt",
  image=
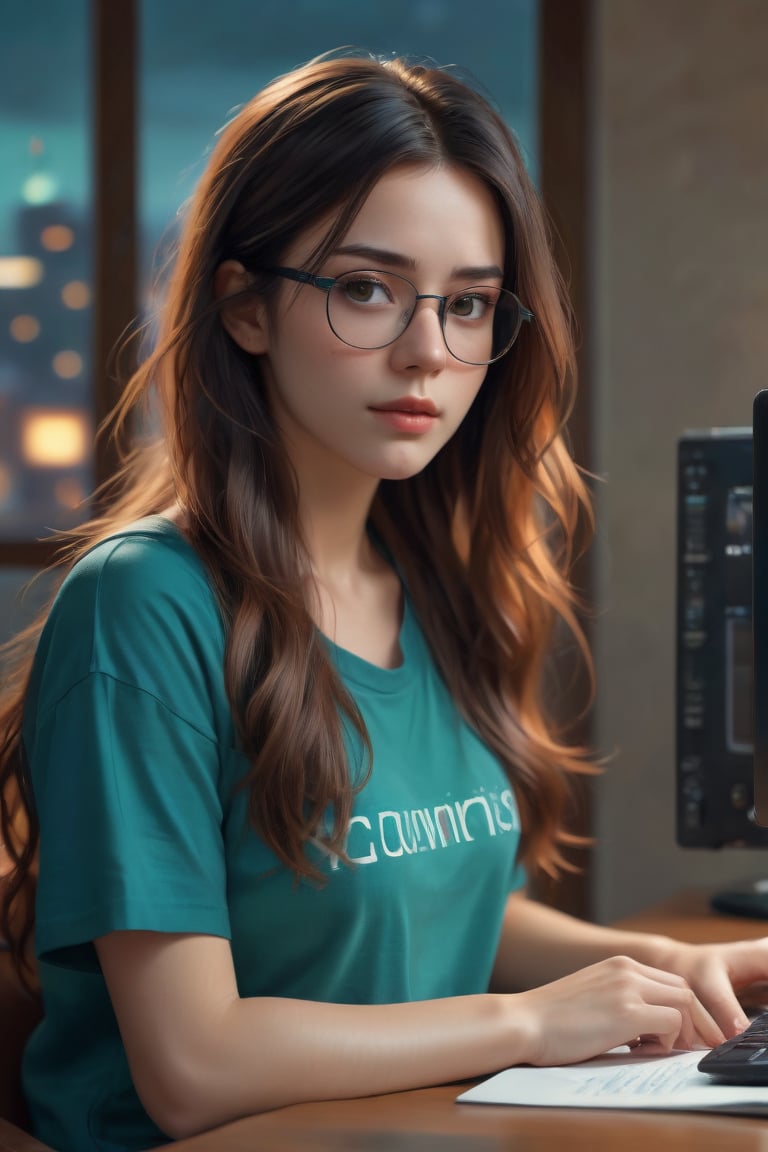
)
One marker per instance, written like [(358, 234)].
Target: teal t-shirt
[(134, 762)]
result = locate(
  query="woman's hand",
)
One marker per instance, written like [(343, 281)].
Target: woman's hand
[(717, 972), (621, 1001), (578, 995)]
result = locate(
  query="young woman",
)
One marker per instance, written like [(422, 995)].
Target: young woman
[(281, 755)]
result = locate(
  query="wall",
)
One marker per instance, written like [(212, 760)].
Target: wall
[(680, 339)]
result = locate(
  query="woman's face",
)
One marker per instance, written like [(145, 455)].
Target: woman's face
[(383, 413)]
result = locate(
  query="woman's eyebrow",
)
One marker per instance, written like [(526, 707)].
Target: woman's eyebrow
[(385, 258), (377, 255), (478, 272)]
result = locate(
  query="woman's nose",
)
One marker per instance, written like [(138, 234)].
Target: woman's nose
[(421, 344)]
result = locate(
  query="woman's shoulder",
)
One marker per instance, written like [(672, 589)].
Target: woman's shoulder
[(138, 557), (138, 607), (145, 579), (145, 566)]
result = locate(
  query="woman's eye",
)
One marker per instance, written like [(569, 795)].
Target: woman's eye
[(470, 307), (365, 291)]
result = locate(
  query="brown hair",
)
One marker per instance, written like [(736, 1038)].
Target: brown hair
[(484, 535)]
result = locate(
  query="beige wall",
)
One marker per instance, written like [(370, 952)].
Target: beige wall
[(680, 305)]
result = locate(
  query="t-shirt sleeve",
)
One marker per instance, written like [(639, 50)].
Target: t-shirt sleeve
[(519, 878), (125, 762), (130, 820)]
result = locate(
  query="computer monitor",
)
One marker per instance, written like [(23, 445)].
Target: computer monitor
[(720, 493), (760, 602), (714, 640)]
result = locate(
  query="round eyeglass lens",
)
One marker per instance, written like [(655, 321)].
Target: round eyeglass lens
[(371, 309), (481, 323)]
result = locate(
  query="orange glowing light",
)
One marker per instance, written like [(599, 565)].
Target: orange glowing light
[(67, 364), (6, 482), (57, 238), (20, 272), (52, 438), (76, 294), (68, 492), (24, 329)]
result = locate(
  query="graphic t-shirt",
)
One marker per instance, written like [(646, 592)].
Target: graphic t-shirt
[(134, 762)]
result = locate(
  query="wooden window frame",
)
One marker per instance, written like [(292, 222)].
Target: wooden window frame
[(565, 133)]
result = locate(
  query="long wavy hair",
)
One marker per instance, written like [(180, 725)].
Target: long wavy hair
[(484, 536)]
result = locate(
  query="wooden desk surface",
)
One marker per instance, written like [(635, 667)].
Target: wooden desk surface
[(688, 916), (429, 1120)]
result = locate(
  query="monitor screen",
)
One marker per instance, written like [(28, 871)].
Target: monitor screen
[(722, 646), (738, 622), (714, 640), (760, 602)]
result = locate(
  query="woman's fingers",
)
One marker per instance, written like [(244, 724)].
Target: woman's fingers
[(697, 1025), (617, 1001), (717, 972), (724, 1007), (668, 990)]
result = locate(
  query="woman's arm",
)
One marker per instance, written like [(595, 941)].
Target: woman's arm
[(539, 944), (201, 1056)]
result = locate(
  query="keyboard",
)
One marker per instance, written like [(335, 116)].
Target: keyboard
[(743, 1059)]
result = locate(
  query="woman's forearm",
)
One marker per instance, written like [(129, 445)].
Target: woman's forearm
[(274, 1052), (201, 1055), (539, 944)]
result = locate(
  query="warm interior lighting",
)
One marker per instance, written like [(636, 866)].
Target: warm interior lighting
[(6, 482), (53, 439), (25, 329), (67, 364), (20, 271), (76, 294), (57, 238), (68, 492)]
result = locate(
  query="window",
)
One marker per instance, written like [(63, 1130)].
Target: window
[(45, 267), (199, 62), (69, 233), (66, 292)]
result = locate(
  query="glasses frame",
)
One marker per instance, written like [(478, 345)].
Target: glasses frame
[(326, 284)]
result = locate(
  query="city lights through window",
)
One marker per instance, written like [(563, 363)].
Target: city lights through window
[(20, 271), (46, 228), (54, 439), (189, 85)]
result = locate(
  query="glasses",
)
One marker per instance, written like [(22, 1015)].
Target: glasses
[(369, 309)]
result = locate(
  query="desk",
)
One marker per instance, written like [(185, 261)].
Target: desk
[(429, 1120)]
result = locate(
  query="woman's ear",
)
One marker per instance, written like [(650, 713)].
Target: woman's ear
[(245, 319)]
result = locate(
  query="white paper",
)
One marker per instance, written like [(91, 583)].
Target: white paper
[(621, 1080)]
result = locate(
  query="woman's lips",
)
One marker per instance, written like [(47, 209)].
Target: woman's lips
[(408, 414)]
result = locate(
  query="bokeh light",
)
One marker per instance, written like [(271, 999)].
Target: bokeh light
[(67, 364), (20, 271), (24, 329), (76, 294), (57, 238), (53, 438)]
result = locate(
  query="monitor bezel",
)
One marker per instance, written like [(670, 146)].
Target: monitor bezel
[(760, 603)]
